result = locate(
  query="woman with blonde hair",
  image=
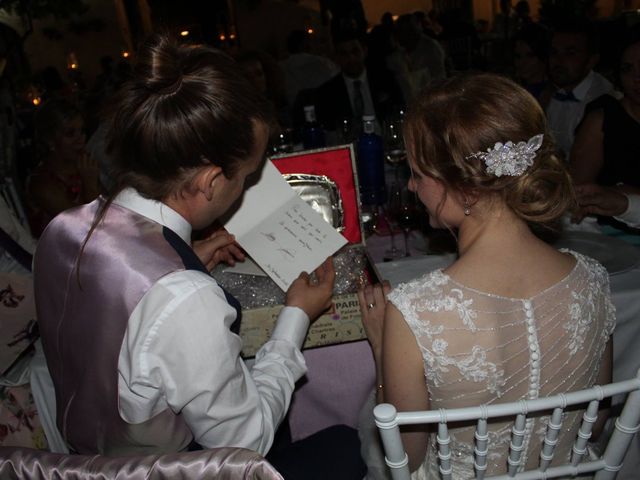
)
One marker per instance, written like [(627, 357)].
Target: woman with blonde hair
[(512, 318)]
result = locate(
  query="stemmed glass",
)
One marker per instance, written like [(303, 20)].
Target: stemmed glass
[(394, 150), (391, 214), (282, 142), (407, 217), (395, 156)]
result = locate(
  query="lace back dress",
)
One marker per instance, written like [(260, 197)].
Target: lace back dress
[(480, 348)]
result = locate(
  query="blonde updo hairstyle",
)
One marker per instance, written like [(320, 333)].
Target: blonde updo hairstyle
[(463, 115)]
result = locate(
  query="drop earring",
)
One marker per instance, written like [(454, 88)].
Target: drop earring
[(467, 208)]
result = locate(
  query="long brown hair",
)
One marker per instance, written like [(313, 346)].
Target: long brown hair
[(186, 106)]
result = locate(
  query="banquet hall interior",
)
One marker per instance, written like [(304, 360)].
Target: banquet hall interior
[(338, 76)]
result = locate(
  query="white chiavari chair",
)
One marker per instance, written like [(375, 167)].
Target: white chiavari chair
[(388, 420)]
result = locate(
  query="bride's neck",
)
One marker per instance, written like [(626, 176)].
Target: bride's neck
[(495, 230)]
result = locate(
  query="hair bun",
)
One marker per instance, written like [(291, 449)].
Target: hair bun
[(160, 65)]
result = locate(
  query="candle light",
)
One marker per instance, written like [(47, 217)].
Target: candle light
[(33, 95), (72, 61)]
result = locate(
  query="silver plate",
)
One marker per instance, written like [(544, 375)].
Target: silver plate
[(322, 194)]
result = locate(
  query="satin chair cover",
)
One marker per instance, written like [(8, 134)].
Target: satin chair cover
[(19, 463)]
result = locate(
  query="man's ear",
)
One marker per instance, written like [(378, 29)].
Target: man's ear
[(208, 179)]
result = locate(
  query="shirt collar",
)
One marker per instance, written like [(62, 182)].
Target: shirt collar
[(580, 91), (362, 78), (156, 211)]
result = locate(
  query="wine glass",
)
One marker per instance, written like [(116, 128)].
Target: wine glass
[(407, 217), (347, 131), (390, 214), (282, 142), (394, 150)]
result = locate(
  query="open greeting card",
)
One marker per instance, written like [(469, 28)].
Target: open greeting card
[(281, 232), (304, 208)]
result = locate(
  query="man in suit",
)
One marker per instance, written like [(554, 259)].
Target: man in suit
[(574, 53), (356, 90)]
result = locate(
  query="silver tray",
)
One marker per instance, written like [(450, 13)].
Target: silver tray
[(322, 194)]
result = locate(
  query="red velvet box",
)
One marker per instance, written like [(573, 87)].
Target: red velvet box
[(342, 324)]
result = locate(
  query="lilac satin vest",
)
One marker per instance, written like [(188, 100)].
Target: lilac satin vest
[(83, 318)]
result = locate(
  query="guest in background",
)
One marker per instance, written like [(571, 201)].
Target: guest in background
[(573, 55), (267, 77), (66, 175), (139, 340), (302, 69), (607, 144), (622, 203), (523, 15), (499, 323), (530, 60), (355, 91), (344, 15), (434, 27), (384, 53), (505, 22), (424, 55), (97, 109)]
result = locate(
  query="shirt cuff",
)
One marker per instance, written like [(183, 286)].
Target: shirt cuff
[(632, 215), (292, 325)]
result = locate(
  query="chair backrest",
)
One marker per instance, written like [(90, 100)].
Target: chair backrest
[(388, 420), (18, 463)]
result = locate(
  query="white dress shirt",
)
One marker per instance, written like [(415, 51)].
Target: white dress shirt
[(366, 93), (179, 353), (632, 215), (564, 116), (427, 62)]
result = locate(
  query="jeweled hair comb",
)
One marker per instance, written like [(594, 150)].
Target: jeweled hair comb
[(509, 158)]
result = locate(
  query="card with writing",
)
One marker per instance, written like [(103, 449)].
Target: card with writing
[(280, 231)]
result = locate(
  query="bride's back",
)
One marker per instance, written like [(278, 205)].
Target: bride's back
[(481, 348), (513, 318)]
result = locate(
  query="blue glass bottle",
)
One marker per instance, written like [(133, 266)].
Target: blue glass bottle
[(371, 164), (312, 132)]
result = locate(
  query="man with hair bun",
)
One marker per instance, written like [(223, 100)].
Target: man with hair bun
[(500, 322), (140, 340)]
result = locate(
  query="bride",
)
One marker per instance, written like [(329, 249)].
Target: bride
[(512, 318)]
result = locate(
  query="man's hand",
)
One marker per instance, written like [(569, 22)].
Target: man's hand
[(218, 247), (597, 200), (313, 296)]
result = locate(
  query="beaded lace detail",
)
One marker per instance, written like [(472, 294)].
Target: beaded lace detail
[(480, 348)]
